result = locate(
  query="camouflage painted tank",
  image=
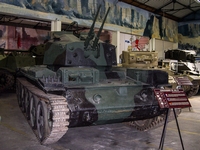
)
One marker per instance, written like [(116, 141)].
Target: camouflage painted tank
[(10, 62), (77, 85), (184, 63)]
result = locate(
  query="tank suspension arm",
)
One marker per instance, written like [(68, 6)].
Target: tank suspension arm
[(96, 40), (91, 32)]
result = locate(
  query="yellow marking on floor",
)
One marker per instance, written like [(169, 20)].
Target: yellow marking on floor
[(183, 131), (198, 112), (14, 129), (195, 120), (193, 110), (156, 146)]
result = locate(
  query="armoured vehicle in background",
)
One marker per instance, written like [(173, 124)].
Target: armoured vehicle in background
[(185, 63), (37, 52), (77, 85), (10, 62), (188, 61), (146, 60)]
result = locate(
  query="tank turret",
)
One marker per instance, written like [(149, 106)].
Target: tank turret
[(74, 51), (77, 85), (139, 59)]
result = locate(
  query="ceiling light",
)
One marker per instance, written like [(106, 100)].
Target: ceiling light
[(198, 1)]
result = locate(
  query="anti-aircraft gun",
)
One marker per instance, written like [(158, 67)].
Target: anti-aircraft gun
[(77, 85), (185, 63)]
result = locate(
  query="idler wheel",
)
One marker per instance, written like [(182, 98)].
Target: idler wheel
[(6, 80), (42, 120)]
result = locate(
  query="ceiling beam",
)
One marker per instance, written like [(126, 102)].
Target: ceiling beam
[(186, 7), (150, 9), (25, 25), (24, 22)]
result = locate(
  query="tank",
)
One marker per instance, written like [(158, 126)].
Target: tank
[(79, 84), (185, 63), (149, 60), (10, 62), (140, 66)]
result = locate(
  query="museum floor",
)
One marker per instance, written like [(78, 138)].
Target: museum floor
[(15, 133)]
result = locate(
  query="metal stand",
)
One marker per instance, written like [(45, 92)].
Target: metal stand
[(164, 130)]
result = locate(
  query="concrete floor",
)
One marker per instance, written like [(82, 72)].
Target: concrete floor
[(15, 133)]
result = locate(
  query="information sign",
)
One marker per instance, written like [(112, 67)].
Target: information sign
[(172, 98)]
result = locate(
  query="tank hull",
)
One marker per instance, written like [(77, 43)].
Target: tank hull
[(89, 98)]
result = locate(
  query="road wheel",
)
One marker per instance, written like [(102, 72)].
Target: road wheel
[(33, 112), (42, 120), (23, 94), (27, 104)]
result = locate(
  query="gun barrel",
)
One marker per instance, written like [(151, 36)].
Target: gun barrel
[(91, 32), (96, 40), (95, 18), (104, 20)]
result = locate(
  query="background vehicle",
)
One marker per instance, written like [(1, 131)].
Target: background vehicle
[(184, 63), (10, 62), (149, 60)]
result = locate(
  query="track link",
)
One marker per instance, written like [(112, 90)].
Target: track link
[(58, 112), (155, 122), (147, 124)]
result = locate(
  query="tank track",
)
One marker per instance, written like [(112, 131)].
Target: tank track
[(193, 90), (58, 115), (147, 124), (155, 122)]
